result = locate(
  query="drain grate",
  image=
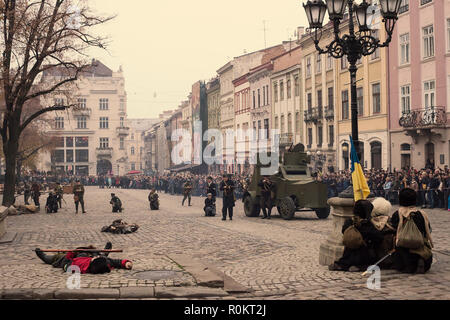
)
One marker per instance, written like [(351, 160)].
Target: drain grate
[(156, 275)]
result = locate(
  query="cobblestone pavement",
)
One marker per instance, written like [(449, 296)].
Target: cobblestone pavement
[(277, 259)]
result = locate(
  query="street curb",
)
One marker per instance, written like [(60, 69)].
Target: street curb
[(116, 293)]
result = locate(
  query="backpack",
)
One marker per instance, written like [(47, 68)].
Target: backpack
[(353, 238), (409, 235)]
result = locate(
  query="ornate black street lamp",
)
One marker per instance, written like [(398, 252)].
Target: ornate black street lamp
[(355, 44)]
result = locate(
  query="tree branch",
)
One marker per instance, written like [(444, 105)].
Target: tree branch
[(39, 113)]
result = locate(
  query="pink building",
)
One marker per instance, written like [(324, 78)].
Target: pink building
[(419, 82)]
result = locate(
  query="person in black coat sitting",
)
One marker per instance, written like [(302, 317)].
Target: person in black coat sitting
[(358, 259), (51, 205), (409, 260), (210, 206)]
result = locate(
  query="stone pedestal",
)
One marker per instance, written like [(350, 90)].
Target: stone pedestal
[(3, 215), (332, 249)]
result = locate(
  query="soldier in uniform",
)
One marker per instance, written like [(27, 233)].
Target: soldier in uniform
[(267, 195), (59, 193), (78, 192), (187, 192), (27, 193), (116, 203), (227, 186), (36, 192), (154, 200), (210, 206), (211, 187)]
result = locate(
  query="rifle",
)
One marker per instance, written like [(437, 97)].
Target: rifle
[(378, 262), (79, 250)]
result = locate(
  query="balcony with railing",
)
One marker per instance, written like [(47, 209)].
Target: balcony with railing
[(428, 118), (77, 112), (314, 114), (286, 139), (329, 112), (104, 152), (123, 131)]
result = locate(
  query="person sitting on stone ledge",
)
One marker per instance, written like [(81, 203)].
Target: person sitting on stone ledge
[(360, 240), (88, 262), (408, 258)]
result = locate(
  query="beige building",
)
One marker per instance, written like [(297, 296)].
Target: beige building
[(134, 144), (92, 133)]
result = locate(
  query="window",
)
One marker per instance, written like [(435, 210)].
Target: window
[(259, 129), (57, 156), (330, 98), (132, 136), (360, 100), (81, 123), (297, 122), (404, 48), (448, 34), (132, 151), (122, 143), (275, 91), (69, 155), (133, 166), (59, 123), (121, 122), (309, 101), (104, 104), (309, 137), (104, 143), (404, 6), (282, 124), (319, 63), (429, 93), (82, 103), (81, 142), (344, 104), (281, 90), (122, 104), (319, 136), (267, 95), (81, 155), (289, 124), (59, 102), (266, 128), (296, 86), (376, 53), (344, 63), (259, 98), (319, 102), (308, 66), (289, 88), (330, 62), (423, 2), (104, 124), (69, 142), (330, 135), (264, 96), (405, 97), (254, 99), (428, 42), (376, 98), (276, 123)]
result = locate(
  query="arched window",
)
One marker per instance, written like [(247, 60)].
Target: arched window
[(346, 155), (405, 147), (132, 150), (375, 153)]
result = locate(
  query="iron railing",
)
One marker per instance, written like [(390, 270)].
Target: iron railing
[(425, 118)]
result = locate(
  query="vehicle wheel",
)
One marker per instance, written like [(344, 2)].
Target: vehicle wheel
[(322, 213), (251, 208), (287, 208)]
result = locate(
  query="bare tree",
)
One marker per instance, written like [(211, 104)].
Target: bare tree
[(39, 36)]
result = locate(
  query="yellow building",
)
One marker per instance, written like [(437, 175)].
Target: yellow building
[(329, 85)]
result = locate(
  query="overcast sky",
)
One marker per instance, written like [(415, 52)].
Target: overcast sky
[(164, 46)]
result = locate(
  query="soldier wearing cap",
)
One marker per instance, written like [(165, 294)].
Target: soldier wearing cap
[(211, 187), (267, 196), (116, 203), (78, 195), (227, 186)]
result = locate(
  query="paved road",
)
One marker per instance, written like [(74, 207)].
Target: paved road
[(277, 259)]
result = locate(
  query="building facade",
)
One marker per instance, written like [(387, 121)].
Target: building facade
[(90, 134), (419, 78)]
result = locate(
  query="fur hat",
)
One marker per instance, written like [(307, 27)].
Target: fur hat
[(407, 197), (381, 207), (363, 209)]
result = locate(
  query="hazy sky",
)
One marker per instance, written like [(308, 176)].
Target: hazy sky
[(164, 46)]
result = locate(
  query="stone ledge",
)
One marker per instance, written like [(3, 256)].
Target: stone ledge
[(189, 293), (17, 294), (62, 294), (136, 292)]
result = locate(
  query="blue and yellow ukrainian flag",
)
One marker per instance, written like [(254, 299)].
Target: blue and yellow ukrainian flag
[(360, 188)]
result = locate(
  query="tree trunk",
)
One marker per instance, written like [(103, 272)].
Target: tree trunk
[(10, 172), (18, 170)]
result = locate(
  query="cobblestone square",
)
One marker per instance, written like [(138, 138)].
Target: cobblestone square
[(277, 259)]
